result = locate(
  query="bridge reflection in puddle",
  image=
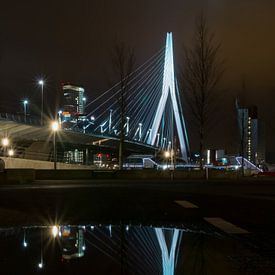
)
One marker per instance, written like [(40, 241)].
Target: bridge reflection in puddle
[(113, 249)]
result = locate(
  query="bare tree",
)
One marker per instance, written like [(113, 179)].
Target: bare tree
[(201, 74), (123, 65)]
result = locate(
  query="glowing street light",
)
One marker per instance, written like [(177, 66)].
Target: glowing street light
[(5, 142), (60, 116), (55, 231), (55, 128), (41, 83), (10, 152), (84, 99), (167, 154), (25, 103)]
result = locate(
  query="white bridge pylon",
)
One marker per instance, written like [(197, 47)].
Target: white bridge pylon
[(168, 253), (169, 86)]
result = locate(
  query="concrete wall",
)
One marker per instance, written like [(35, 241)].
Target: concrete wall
[(18, 163)]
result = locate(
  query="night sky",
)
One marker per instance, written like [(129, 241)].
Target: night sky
[(71, 41)]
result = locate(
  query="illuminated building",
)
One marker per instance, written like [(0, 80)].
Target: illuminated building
[(73, 101), (251, 134)]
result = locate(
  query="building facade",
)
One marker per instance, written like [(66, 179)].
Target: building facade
[(252, 144), (73, 100)]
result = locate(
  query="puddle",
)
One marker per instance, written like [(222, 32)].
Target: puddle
[(117, 249)]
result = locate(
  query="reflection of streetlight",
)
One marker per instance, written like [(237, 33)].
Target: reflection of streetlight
[(41, 263), (55, 128), (41, 83), (25, 244), (25, 103)]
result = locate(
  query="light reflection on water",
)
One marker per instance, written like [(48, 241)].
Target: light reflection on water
[(99, 249)]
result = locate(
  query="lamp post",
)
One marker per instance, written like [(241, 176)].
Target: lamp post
[(55, 128), (59, 116), (5, 143), (167, 155), (25, 103), (41, 83), (84, 99), (10, 152)]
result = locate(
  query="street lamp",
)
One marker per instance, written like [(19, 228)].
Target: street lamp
[(5, 142), (41, 83), (10, 152), (84, 99), (25, 103), (55, 231), (167, 156), (60, 116), (55, 128)]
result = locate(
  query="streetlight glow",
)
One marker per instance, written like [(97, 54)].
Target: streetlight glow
[(25, 103), (41, 83), (167, 154), (10, 152), (55, 126), (55, 231), (5, 142)]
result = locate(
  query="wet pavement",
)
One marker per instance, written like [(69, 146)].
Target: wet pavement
[(216, 228), (120, 249)]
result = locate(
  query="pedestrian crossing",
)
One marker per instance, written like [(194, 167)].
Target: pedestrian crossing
[(186, 204), (217, 222), (225, 226)]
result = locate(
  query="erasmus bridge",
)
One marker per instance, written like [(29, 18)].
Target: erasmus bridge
[(153, 111), (153, 116)]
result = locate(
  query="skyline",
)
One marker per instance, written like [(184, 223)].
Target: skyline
[(66, 42)]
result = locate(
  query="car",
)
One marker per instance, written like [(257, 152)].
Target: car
[(139, 162)]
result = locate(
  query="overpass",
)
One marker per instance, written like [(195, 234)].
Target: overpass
[(153, 119)]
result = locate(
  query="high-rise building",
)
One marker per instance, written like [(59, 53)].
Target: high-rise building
[(252, 144), (73, 100)]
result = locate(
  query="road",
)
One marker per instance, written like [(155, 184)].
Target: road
[(249, 204)]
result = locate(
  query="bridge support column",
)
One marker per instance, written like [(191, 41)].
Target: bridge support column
[(169, 87), (168, 254)]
